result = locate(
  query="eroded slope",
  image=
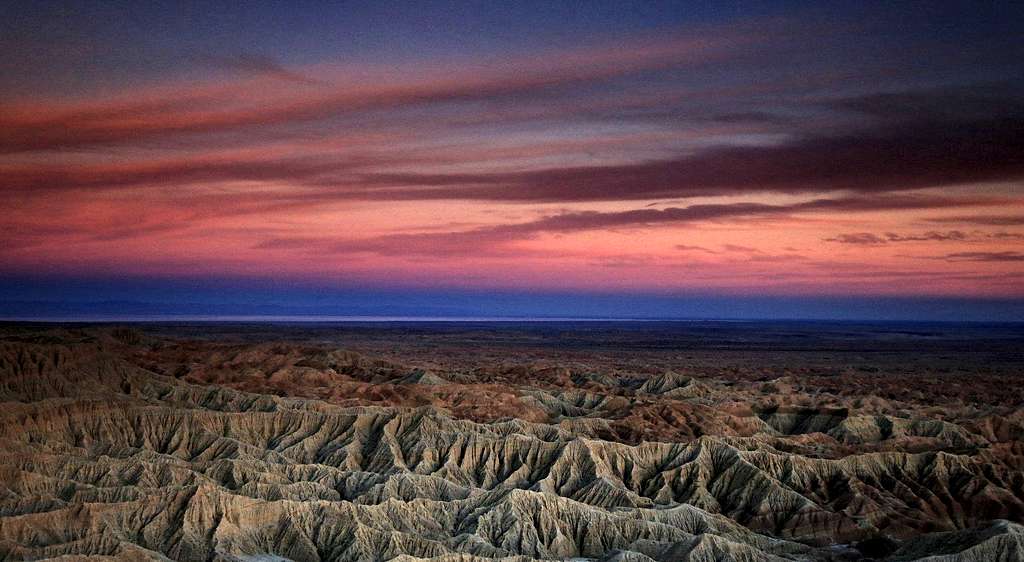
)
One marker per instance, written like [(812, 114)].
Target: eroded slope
[(116, 444)]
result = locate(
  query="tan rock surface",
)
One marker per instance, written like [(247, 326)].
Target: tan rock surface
[(123, 447)]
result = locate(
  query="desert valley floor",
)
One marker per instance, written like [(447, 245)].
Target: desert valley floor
[(522, 441)]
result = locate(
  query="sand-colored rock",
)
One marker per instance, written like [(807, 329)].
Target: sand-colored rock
[(105, 457)]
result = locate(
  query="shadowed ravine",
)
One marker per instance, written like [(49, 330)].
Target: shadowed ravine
[(125, 444)]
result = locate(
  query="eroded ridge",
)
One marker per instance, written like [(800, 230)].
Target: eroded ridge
[(120, 445)]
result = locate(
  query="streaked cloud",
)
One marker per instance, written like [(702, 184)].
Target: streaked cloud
[(982, 220), (1007, 256), (867, 238), (491, 239), (731, 156), (253, 63)]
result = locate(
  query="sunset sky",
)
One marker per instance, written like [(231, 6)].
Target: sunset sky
[(763, 159)]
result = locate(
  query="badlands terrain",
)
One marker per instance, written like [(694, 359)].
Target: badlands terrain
[(515, 442)]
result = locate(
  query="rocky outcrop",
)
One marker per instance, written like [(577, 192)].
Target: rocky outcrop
[(675, 385)]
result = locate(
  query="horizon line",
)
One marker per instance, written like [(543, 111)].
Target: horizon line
[(342, 319)]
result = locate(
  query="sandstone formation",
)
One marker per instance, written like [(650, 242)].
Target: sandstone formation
[(118, 445)]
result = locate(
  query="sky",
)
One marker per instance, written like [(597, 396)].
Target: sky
[(606, 158)]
